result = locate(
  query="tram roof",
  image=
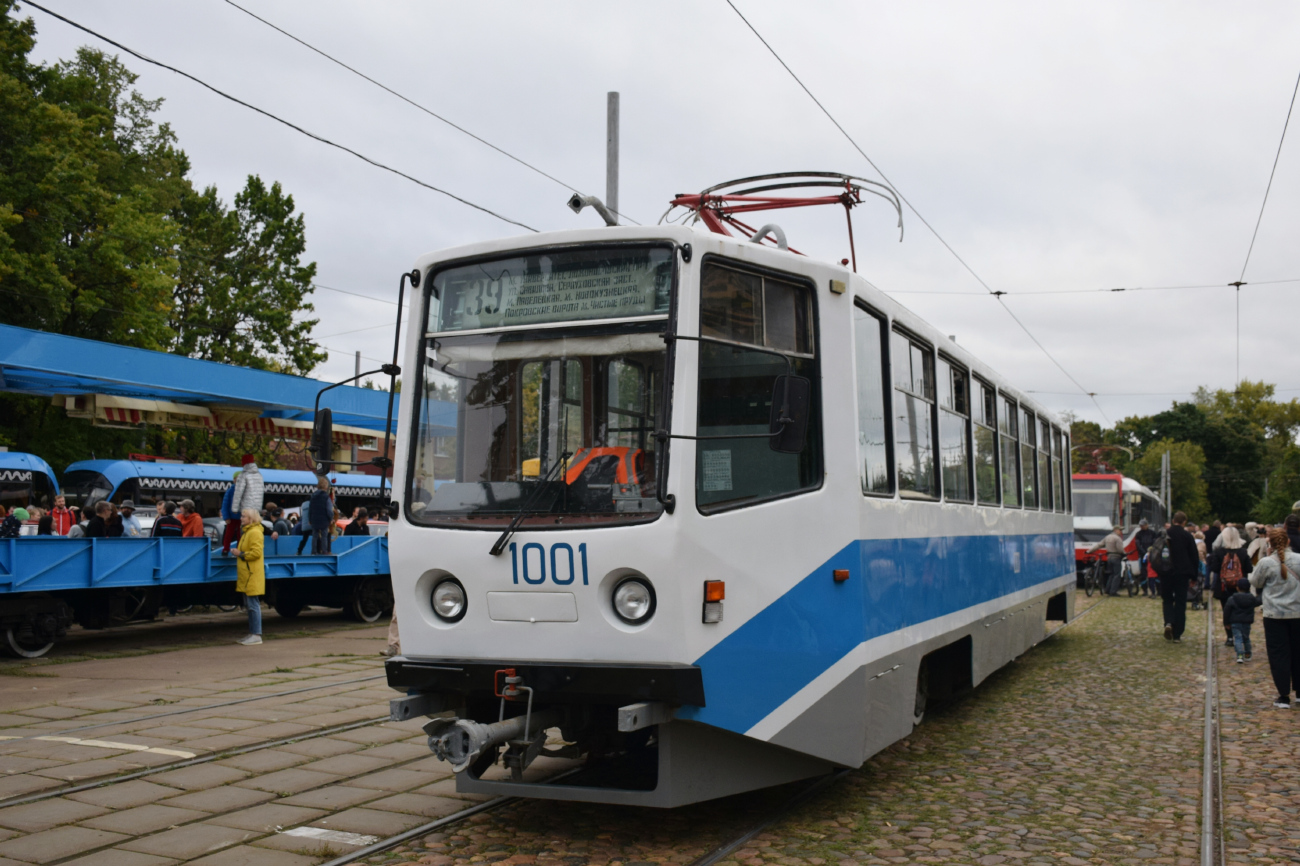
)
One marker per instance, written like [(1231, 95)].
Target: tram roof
[(48, 365), (117, 471), (26, 462)]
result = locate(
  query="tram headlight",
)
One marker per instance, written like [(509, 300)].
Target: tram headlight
[(634, 600), (449, 600)]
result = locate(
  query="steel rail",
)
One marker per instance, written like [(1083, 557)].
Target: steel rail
[(1211, 792), (190, 762)]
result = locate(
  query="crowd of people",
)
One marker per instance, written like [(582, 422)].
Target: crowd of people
[(1245, 568), (248, 522)]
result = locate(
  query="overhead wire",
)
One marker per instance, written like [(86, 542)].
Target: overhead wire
[(1271, 174), (1095, 291), (412, 102), (914, 210), (279, 119), (1241, 280)]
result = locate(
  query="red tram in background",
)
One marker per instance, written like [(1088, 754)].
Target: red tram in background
[(1103, 501)]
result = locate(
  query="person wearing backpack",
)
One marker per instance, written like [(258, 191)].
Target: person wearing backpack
[(1230, 565), (1277, 581)]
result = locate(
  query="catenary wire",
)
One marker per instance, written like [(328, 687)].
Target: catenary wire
[(1095, 291), (412, 102), (278, 119), (913, 209), (1271, 173)]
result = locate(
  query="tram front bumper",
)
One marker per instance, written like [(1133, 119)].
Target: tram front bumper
[(555, 681)]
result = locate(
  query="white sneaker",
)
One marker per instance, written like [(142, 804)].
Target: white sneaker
[(1281, 704), (250, 640)]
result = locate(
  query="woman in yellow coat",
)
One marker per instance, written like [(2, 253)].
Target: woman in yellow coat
[(252, 573)]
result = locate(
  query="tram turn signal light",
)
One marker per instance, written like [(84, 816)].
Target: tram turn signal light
[(714, 592), (840, 575)]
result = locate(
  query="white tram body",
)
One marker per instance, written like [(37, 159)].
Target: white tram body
[(856, 587)]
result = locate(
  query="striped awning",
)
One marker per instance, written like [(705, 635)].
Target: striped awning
[(107, 410)]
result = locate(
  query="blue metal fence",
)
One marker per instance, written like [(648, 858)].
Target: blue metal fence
[(47, 564)]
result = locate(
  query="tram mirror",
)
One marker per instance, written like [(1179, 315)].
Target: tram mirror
[(793, 394), (322, 441)]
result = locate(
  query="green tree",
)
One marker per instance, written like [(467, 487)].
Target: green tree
[(103, 235), (1188, 488), (242, 289)]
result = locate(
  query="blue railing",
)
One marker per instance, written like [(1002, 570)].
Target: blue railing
[(46, 564)]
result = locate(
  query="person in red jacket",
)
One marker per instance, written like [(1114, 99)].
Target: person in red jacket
[(63, 518), (191, 520)]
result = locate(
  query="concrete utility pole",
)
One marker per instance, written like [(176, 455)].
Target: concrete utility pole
[(356, 372), (611, 151)]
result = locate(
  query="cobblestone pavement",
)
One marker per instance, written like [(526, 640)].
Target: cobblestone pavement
[(1261, 761), (1086, 750), (348, 777)]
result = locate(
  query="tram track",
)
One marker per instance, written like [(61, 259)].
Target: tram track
[(713, 855), (189, 762), (1213, 849), (341, 780), (186, 710)]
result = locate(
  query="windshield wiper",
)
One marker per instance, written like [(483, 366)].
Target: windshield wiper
[(525, 510)]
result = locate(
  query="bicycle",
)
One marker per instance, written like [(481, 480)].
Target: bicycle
[(1094, 578)]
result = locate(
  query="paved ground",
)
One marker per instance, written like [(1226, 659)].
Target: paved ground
[(1086, 750), (348, 771), (1261, 761)]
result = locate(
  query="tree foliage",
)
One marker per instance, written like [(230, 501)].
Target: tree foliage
[(104, 235), (1243, 441)]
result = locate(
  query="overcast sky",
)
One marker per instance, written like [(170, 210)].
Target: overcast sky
[(1062, 146)]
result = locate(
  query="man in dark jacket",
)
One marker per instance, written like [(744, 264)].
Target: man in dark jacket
[(1184, 565), (1146, 536), (97, 526), (1292, 527)]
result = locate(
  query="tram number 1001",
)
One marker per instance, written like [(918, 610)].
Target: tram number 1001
[(562, 561)]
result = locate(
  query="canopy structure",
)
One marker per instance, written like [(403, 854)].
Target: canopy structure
[(121, 386)]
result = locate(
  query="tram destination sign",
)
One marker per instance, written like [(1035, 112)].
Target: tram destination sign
[(557, 286)]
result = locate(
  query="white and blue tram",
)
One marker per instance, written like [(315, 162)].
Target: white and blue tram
[(598, 533)]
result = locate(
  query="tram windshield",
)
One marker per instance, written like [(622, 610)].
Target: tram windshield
[(1096, 508), (557, 420), (84, 487)]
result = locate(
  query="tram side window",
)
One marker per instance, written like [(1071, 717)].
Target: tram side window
[(913, 366), (1058, 472), (873, 438), (1010, 453), (736, 385), (1067, 469), (954, 431), (986, 444), (1028, 463), (1045, 484)]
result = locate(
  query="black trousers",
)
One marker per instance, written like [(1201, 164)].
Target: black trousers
[(1112, 583), (1173, 592), (1282, 639)]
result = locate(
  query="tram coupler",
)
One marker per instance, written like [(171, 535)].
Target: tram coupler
[(460, 741)]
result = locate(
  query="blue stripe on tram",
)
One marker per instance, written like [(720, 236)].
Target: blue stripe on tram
[(893, 584)]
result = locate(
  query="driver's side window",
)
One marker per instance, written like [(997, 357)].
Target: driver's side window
[(741, 311)]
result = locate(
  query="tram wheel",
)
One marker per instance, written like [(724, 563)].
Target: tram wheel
[(25, 644), (372, 598), (288, 607)]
